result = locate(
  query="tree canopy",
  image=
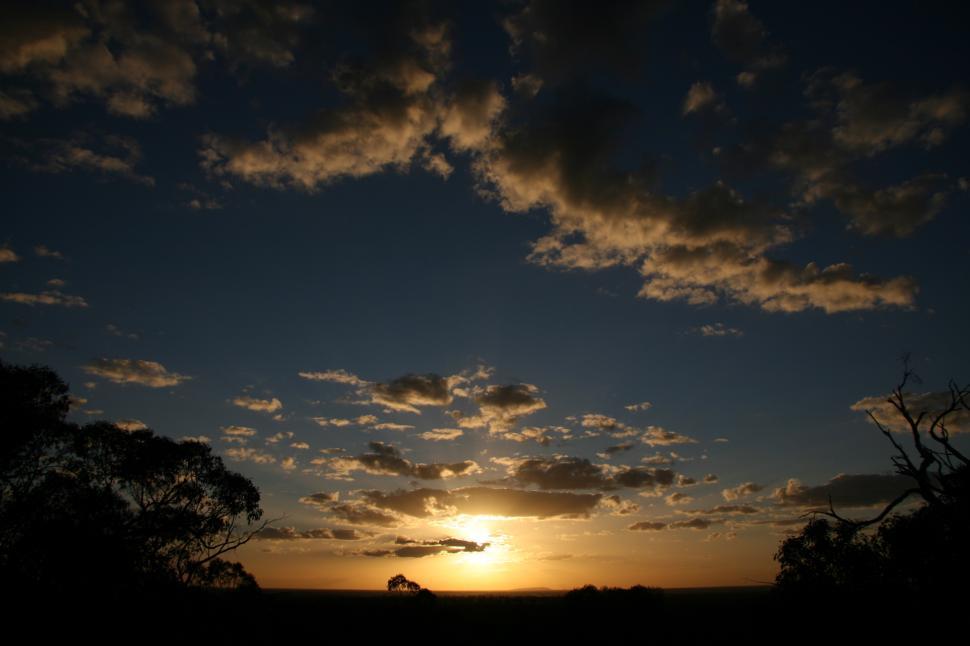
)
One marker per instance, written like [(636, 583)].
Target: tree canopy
[(95, 506)]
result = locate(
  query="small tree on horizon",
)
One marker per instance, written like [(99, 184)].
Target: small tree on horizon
[(400, 583)]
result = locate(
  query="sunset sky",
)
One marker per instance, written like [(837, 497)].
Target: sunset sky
[(498, 295)]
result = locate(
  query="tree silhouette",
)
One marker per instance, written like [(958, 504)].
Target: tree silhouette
[(400, 583), (914, 555), (94, 506)]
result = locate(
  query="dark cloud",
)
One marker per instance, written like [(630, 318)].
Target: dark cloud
[(488, 501), (585, 39), (694, 523), (723, 509), (742, 37), (358, 514), (708, 246), (384, 459), (563, 472), (844, 490), (610, 451), (291, 533), (107, 156), (646, 525), (410, 391), (500, 407), (856, 121)]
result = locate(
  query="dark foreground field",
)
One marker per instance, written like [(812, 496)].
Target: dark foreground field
[(685, 616)]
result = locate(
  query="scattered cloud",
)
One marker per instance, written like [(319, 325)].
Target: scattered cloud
[(134, 371), (716, 329), (246, 454), (844, 490), (441, 434), (52, 297), (929, 405), (130, 425), (384, 459), (258, 405), (485, 501), (658, 436), (742, 490)]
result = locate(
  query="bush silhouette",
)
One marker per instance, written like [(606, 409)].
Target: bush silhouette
[(96, 508)]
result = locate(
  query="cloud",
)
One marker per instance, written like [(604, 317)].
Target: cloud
[(8, 255), (384, 459), (441, 434), (340, 422), (742, 490), (716, 329), (321, 500), (51, 297), (694, 523), (485, 501), (43, 252), (245, 454), (258, 405), (562, 472), (844, 490), (389, 426), (291, 534), (638, 407), (201, 439), (610, 451), (500, 407), (410, 391), (723, 509), (239, 431), (741, 36), (279, 437), (360, 514), (705, 247), (618, 506), (647, 525), (299, 445), (130, 425), (417, 549), (929, 404), (541, 435), (658, 436), (134, 61), (678, 498), (335, 376), (702, 97), (874, 117), (134, 371), (109, 156), (393, 104), (857, 121), (588, 39)]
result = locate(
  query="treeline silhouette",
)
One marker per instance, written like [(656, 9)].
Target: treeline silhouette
[(93, 516)]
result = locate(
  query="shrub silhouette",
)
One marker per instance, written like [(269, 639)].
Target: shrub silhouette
[(96, 508)]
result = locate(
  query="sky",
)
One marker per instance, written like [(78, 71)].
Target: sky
[(500, 295)]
